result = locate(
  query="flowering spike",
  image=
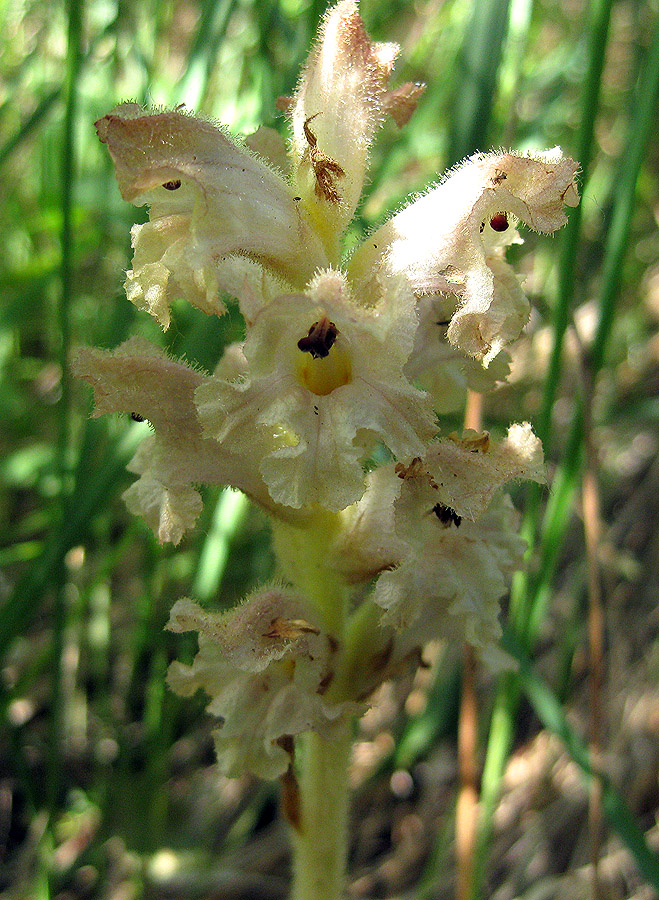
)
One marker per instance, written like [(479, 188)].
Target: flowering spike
[(340, 364)]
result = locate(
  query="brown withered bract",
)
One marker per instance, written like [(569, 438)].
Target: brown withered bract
[(415, 469), (290, 629), (325, 169)]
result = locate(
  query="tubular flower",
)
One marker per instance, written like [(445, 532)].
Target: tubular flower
[(452, 240), (325, 381), (266, 668), (442, 538), (139, 378)]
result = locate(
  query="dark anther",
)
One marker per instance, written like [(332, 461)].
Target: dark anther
[(172, 185), (320, 339), (446, 515), (499, 222)]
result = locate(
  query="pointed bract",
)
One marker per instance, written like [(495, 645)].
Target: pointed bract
[(341, 100)]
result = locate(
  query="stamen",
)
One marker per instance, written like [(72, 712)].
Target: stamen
[(320, 339)]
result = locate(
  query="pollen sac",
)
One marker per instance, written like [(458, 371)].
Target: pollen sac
[(320, 339), (446, 515)]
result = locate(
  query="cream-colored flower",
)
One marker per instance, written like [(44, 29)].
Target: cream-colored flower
[(458, 475), (210, 199), (452, 239), (442, 539), (138, 378), (450, 585), (266, 667), (325, 382)]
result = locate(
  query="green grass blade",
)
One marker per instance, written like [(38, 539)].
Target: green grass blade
[(94, 481), (192, 87), (600, 16), (643, 126), (60, 608), (34, 121), (480, 62), (229, 513)]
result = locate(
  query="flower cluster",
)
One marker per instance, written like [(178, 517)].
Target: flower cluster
[(342, 356)]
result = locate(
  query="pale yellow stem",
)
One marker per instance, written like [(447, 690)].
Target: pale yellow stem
[(320, 844)]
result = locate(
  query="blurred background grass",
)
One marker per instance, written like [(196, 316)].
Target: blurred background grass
[(107, 785)]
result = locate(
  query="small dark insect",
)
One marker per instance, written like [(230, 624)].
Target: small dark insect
[(446, 515), (136, 417), (499, 222), (320, 339), (172, 185), (297, 199), (499, 177)]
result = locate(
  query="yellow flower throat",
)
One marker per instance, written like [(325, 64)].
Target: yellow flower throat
[(322, 366)]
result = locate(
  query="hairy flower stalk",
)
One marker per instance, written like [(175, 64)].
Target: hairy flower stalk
[(342, 357)]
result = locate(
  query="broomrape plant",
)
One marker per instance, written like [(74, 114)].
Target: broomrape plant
[(342, 356)]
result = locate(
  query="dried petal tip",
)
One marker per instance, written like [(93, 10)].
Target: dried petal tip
[(402, 101)]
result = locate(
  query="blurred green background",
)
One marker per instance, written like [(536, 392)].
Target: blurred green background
[(107, 784)]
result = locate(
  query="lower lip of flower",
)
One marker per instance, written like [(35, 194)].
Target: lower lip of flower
[(322, 375)]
